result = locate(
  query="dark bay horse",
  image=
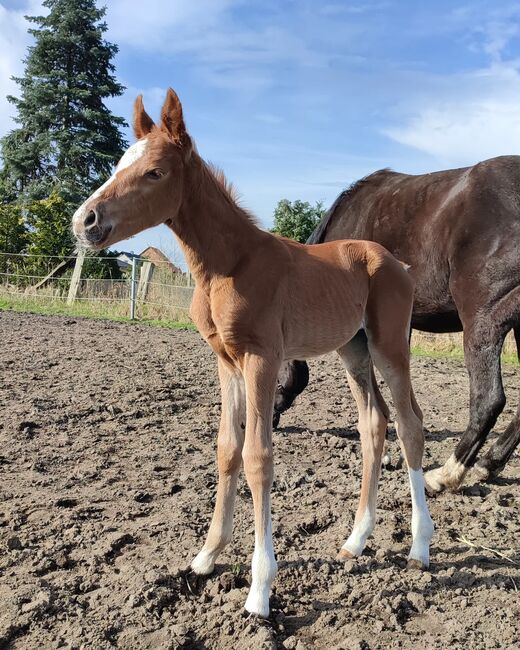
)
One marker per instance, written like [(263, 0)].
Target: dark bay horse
[(459, 230)]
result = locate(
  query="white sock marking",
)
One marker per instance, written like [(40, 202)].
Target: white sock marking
[(359, 535), (422, 524), (204, 563), (263, 570)]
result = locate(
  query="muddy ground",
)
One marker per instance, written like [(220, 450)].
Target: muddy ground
[(107, 478)]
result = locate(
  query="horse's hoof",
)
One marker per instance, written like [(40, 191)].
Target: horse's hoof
[(257, 605), (482, 473), (345, 555), (276, 419), (433, 481), (416, 565)]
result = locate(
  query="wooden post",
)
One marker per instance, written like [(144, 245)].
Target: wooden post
[(76, 277), (132, 288), (145, 277)]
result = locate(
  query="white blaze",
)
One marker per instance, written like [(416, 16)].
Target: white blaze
[(131, 155)]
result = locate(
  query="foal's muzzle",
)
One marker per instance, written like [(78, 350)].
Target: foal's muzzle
[(93, 229)]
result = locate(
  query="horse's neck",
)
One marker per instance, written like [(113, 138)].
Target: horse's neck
[(213, 231)]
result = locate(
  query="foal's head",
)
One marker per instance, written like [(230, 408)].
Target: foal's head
[(146, 188)]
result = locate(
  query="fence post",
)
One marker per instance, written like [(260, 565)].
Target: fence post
[(132, 288), (145, 276), (76, 276)]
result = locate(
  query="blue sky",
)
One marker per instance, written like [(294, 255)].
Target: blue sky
[(296, 99)]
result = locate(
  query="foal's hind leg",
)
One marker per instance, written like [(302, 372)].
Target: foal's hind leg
[(388, 314), (373, 418), (229, 458), (392, 360)]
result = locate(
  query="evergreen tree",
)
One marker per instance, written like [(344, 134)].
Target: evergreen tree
[(67, 139), (297, 220)]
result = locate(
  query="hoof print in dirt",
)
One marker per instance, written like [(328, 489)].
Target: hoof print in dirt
[(66, 502), (115, 545), (143, 497)]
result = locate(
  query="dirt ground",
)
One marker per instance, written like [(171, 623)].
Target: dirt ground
[(107, 478)]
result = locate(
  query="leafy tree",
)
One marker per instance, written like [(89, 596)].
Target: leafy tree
[(13, 230), (13, 237), (67, 139), (297, 220), (49, 232)]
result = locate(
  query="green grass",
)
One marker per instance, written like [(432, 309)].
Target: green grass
[(93, 310), (456, 352)]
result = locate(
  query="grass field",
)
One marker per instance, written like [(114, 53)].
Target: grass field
[(97, 310)]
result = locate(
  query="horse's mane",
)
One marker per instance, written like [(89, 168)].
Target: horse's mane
[(319, 232), (221, 179), (228, 189)]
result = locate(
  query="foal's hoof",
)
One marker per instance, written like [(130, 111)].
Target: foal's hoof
[(416, 565), (345, 555), (276, 419), (257, 604)]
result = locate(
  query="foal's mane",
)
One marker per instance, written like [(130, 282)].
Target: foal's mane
[(346, 195), (228, 190)]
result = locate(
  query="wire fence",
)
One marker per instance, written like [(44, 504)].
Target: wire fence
[(111, 286)]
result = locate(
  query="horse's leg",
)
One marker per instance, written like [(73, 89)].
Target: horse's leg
[(260, 379), (494, 461), (229, 459), (391, 357), (293, 378), (482, 346), (387, 317), (372, 420)]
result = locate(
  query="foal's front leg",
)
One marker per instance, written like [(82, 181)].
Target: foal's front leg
[(260, 378), (229, 458)]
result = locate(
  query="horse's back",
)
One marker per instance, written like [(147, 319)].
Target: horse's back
[(443, 223), (392, 202)]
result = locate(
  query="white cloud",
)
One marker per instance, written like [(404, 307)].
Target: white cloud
[(466, 118), (462, 118)]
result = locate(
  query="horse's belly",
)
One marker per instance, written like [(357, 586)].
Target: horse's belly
[(316, 340)]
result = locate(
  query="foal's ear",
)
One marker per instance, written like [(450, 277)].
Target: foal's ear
[(171, 118), (143, 123)]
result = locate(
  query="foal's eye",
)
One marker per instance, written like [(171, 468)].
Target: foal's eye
[(155, 174)]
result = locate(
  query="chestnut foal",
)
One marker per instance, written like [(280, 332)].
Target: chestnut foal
[(260, 300)]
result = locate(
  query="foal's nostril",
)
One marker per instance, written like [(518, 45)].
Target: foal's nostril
[(90, 219)]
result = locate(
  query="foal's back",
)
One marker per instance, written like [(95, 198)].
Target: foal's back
[(329, 290)]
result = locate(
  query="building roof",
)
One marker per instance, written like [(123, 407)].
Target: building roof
[(159, 258)]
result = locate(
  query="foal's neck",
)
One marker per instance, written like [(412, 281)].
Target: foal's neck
[(214, 232)]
